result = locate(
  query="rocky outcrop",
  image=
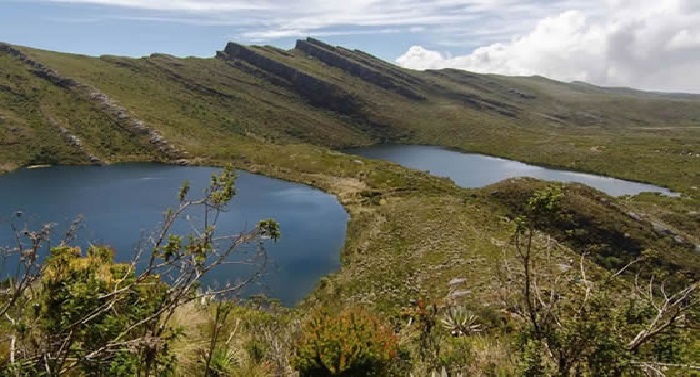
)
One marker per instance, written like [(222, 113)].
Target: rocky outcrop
[(257, 72), (319, 92), (39, 69), (522, 94), (483, 104), (330, 56), (474, 86), (125, 120), (157, 60), (480, 84), (373, 62), (75, 142)]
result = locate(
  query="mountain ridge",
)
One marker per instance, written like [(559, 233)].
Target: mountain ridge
[(335, 97), (632, 89)]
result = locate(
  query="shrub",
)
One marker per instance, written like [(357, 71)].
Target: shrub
[(72, 321), (352, 343)]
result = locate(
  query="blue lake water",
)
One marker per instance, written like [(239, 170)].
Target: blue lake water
[(121, 203), (476, 170)]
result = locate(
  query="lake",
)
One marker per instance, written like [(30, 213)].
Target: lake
[(476, 170), (120, 203)]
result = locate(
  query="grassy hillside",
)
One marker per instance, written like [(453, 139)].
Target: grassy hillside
[(334, 97), (263, 108), (277, 111), (411, 236)]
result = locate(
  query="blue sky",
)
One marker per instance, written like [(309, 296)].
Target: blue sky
[(386, 28), (649, 44), (118, 27)]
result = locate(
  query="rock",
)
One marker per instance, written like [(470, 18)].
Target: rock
[(635, 216), (358, 162), (157, 139), (678, 239), (522, 94), (457, 281), (458, 294), (330, 56), (74, 141), (138, 125), (127, 122), (480, 103), (320, 92), (658, 228)]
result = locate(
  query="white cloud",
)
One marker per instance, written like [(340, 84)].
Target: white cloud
[(650, 44), (267, 35), (282, 18), (685, 39)]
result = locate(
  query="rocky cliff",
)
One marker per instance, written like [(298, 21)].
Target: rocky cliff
[(319, 92), (333, 57)]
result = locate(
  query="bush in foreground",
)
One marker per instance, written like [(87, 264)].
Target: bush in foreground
[(351, 343)]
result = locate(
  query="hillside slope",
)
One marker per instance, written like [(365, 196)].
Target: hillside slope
[(411, 236), (278, 112), (165, 108)]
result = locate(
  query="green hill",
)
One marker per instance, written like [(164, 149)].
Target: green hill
[(411, 236), (277, 111), (167, 108)]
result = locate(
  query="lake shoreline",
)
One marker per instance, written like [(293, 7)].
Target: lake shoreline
[(467, 169), (347, 191), (348, 151), (523, 161)]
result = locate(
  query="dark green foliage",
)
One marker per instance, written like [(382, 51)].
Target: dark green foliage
[(593, 223), (577, 327), (72, 330)]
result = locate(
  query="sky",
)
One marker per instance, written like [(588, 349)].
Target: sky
[(646, 44)]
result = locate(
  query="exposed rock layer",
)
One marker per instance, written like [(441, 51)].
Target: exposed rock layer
[(124, 119), (330, 56), (319, 92)]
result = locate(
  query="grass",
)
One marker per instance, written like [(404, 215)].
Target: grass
[(410, 234), (211, 108), (224, 114)]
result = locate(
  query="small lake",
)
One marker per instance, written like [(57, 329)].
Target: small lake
[(476, 170), (121, 202)]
